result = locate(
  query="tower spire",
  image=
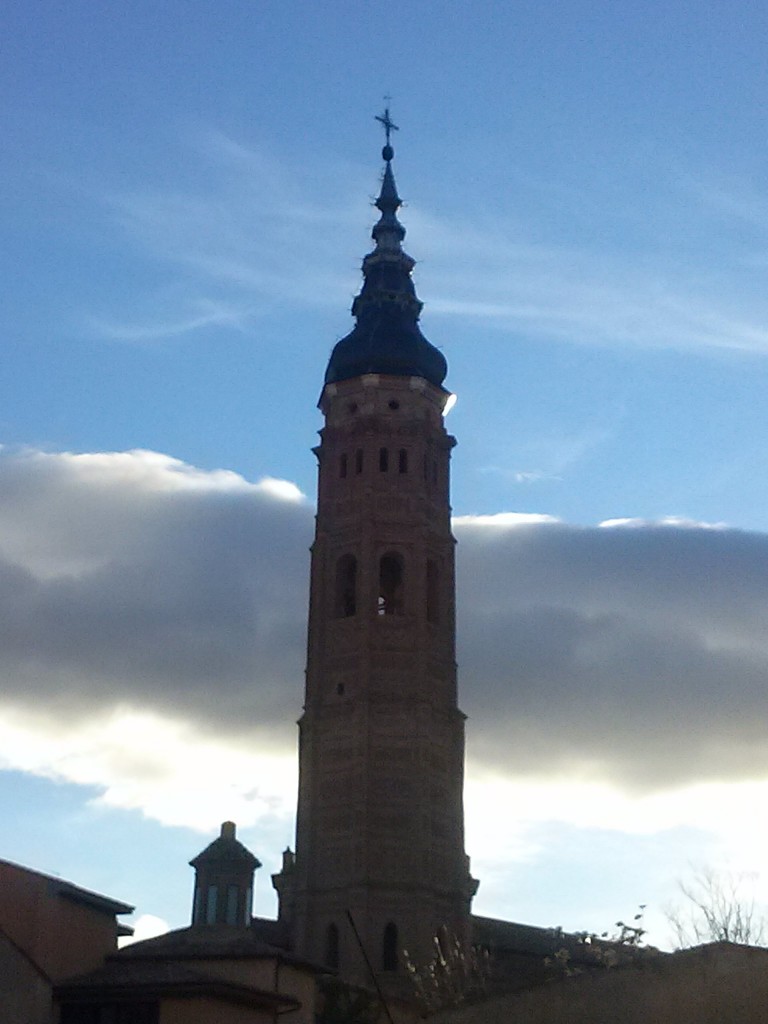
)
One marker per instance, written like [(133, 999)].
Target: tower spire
[(387, 337), (388, 233)]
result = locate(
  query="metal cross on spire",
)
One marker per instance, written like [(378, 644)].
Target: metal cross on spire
[(386, 120)]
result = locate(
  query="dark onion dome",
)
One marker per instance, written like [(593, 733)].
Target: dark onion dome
[(386, 338)]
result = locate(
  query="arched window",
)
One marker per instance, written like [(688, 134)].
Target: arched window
[(383, 460), (389, 948), (433, 592), (346, 587), (332, 947), (402, 461), (390, 584), (359, 461)]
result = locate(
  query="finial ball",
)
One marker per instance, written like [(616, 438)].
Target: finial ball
[(387, 153)]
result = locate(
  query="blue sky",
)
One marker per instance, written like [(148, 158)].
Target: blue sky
[(185, 203)]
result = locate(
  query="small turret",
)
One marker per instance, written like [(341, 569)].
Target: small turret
[(224, 881)]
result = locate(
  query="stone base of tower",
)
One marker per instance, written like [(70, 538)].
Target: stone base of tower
[(368, 936)]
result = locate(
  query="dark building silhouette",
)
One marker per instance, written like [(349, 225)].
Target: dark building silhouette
[(221, 968)]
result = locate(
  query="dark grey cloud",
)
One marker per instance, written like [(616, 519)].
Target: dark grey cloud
[(126, 582), (633, 654), (640, 653)]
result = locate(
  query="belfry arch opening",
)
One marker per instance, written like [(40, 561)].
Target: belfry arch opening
[(389, 947), (332, 947), (346, 587), (433, 592), (391, 575)]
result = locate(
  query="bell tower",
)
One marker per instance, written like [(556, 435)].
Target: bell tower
[(380, 861)]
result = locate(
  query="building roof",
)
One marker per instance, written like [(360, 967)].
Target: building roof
[(69, 891), (226, 848), (513, 937), (274, 933), (126, 979), (208, 942), (525, 940), (721, 949)]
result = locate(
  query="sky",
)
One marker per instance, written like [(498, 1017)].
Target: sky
[(185, 200)]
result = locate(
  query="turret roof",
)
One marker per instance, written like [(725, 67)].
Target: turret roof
[(226, 848)]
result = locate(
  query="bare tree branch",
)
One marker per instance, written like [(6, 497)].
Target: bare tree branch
[(716, 910)]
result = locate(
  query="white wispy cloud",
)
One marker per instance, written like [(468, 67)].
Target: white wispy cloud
[(548, 456), (635, 523), (258, 232), (208, 314), (250, 237)]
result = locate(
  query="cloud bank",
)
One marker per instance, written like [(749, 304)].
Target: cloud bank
[(152, 620), (634, 653)]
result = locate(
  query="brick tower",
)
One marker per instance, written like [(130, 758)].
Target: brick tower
[(380, 826)]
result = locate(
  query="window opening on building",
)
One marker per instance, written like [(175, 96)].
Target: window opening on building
[(332, 947), (359, 461), (389, 948), (383, 460), (402, 461), (346, 587), (433, 603), (232, 894), (210, 909), (111, 1012), (343, 465), (390, 584)]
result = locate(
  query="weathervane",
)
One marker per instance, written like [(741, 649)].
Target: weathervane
[(389, 127)]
